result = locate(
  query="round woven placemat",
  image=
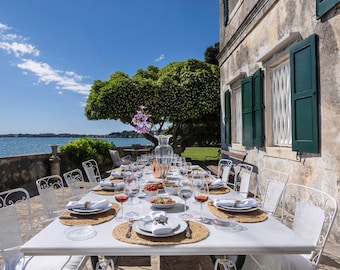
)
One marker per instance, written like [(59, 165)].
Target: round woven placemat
[(198, 233), (90, 219), (245, 217), (222, 190), (100, 191)]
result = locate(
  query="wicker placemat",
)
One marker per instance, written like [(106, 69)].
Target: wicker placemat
[(198, 233), (219, 191), (100, 191), (245, 217), (90, 219)]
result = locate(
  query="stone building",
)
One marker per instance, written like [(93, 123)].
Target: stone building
[(280, 88)]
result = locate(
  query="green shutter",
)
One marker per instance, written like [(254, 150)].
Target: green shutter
[(225, 12), (258, 108), (323, 6), (227, 118), (304, 99), (247, 111)]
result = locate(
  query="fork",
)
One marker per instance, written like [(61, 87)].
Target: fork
[(128, 233)]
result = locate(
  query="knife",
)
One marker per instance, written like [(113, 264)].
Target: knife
[(188, 230)]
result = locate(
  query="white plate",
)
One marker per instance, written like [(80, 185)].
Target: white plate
[(162, 206), (181, 226), (226, 225), (81, 232), (81, 211), (145, 223), (237, 209)]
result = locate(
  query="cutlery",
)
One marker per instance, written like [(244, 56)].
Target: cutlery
[(188, 230), (128, 233)]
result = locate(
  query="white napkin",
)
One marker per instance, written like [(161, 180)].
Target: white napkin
[(116, 186), (116, 174), (198, 174), (216, 183), (236, 203), (159, 228), (125, 167), (103, 204)]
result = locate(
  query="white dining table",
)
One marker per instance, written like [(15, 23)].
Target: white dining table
[(267, 237)]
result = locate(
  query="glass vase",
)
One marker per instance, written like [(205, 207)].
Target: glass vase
[(163, 155)]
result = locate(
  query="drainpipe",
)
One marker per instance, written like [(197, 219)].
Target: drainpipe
[(55, 160)]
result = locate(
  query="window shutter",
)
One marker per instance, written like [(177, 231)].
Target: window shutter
[(225, 12), (247, 111), (227, 118), (304, 100), (323, 6), (258, 108)]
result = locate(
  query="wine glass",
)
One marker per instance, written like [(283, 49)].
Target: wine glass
[(185, 193), (201, 194), (132, 188), (121, 198)]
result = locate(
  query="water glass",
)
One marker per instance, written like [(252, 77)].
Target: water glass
[(185, 193), (132, 188)]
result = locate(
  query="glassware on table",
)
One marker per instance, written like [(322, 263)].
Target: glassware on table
[(121, 198), (132, 187), (201, 195), (164, 155), (185, 193)]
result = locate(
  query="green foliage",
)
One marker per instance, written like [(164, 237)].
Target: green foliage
[(87, 148), (210, 54), (201, 153)]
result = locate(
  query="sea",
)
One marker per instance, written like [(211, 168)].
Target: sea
[(18, 146)]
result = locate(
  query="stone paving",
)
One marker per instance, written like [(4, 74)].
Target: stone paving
[(329, 261)]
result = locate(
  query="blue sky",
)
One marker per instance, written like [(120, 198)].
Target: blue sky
[(52, 51)]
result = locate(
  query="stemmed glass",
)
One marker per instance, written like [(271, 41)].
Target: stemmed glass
[(122, 198), (201, 194), (185, 193), (132, 188)]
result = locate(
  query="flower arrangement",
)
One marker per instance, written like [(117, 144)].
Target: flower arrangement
[(140, 121)]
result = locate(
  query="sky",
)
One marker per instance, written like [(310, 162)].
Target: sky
[(52, 51)]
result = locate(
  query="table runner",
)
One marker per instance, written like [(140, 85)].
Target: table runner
[(244, 217), (90, 219), (198, 233)]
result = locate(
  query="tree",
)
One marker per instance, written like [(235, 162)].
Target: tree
[(179, 93), (211, 53)]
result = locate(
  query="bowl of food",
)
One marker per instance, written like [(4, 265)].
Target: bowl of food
[(151, 190), (162, 202), (172, 188)]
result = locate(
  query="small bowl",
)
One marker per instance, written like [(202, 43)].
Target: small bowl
[(172, 189), (152, 192)]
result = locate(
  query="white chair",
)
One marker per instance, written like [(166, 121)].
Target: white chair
[(223, 169), (92, 172), (270, 184), (16, 227), (117, 160), (310, 213), (52, 194), (242, 178), (75, 181)]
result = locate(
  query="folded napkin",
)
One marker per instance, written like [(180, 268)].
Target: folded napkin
[(198, 174), (236, 203), (216, 183), (91, 205), (125, 167), (116, 174), (116, 186), (160, 223)]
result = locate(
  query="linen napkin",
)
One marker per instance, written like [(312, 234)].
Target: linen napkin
[(160, 223), (216, 183), (116, 174), (125, 167), (91, 205), (251, 202), (116, 186)]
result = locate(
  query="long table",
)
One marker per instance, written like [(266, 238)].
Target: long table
[(267, 237)]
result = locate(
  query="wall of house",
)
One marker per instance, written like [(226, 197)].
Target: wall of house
[(245, 40)]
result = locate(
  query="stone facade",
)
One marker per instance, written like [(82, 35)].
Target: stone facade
[(258, 35)]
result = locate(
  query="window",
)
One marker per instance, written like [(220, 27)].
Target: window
[(280, 108), (227, 118), (238, 116), (323, 6), (228, 7)]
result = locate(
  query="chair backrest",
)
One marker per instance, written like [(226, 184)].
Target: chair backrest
[(75, 181), (52, 194), (221, 165), (242, 178), (92, 172), (270, 184), (14, 231), (310, 213), (116, 160)]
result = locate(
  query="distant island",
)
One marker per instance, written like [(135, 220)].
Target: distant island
[(123, 134)]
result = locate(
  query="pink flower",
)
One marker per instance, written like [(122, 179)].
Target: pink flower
[(139, 120)]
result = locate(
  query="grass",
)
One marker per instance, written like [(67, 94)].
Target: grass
[(201, 153)]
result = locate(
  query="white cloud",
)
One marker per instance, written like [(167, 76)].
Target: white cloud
[(20, 48), (63, 80), (162, 57)]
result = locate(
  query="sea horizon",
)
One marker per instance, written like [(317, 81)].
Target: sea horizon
[(17, 146)]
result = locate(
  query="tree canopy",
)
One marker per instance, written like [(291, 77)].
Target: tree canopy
[(178, 94)]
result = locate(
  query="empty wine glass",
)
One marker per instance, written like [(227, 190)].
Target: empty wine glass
[(121, 198), (201, 194), (132, 188), (185, 193)]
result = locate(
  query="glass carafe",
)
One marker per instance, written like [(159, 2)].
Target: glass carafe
[(163, 155)]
